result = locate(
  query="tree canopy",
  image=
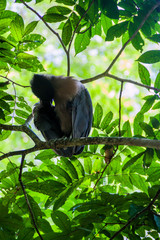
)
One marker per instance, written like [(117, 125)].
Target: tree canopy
[(112, 189)]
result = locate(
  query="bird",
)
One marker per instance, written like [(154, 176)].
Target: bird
[(70, 117)]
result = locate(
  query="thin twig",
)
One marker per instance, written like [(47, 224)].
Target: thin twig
[(101, 175), (9, 80), (118, 79), (106, 73), (134, 34), (21, 128), (74, 32), (26, 197), (47, 25), (19, 152), (120, 108), (137, 215)]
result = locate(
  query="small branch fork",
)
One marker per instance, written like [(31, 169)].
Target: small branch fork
[(106, 73), (137, 215), (133, 218)]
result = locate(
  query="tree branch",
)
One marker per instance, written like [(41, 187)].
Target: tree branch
[(26, 197), (61, 143), (120, 108), (70, 43), (134, 34), (9, 80), (21, 128), (106, 73), (118, 79), (137, 215), (47, 25)]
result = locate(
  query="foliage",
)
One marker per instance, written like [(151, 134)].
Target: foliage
[(107, 192)]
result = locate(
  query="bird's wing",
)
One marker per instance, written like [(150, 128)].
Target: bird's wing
[(82, 113)]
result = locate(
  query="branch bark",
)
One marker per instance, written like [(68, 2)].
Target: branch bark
[(61, 143)]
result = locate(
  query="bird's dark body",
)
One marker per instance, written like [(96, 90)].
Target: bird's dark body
[(70, 117)]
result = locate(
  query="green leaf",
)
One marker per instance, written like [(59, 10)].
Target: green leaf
[(109, 8), (61, 220), (30, 27), (154, 175), (29, 62), (59, 9), (2, 5), (4, 105), (59, 172), (66, 164), (32, 41), (106, 23), (106, 120), (17, 28), (148, 104), (93, 12), (96, 29), (139, 181), (156, 106), (128, 5), (81, 42), (137, 41), (79, 167), (144, 74), (127, 128), (150, 57), (19, 120), (66, 2), (22, 113), (138, 119), (112, 126), (147, 128), (4, 135), (54, 17), (26, 234), (157, 81), (155, 38), (98, 113), (133, 160), (63, 196), (67, 32), (116, 31), (74, 19), (4, 25), (97, 165), (88, 165), (46, 154), (157, 220), (48, 187), (155, 122), (148, 157), (93, 148)]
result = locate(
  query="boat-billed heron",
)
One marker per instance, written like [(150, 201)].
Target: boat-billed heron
[(70, 117)]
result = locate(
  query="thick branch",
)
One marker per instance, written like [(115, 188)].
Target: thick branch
[(61, 143)]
